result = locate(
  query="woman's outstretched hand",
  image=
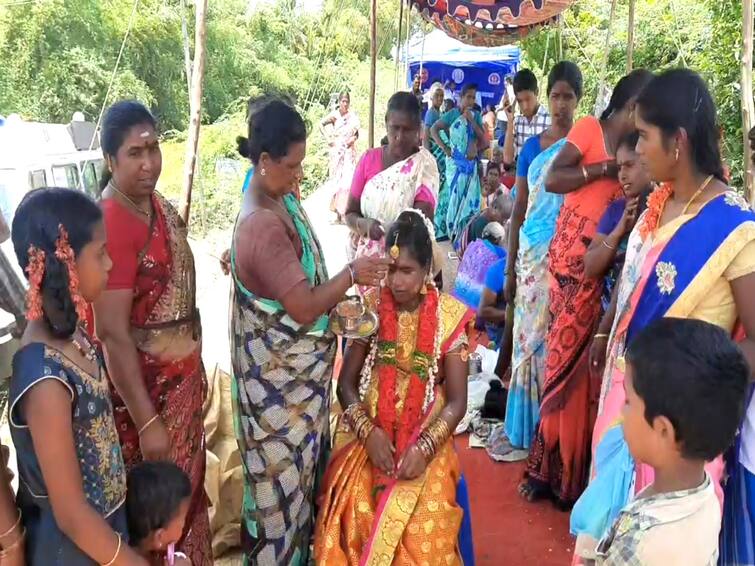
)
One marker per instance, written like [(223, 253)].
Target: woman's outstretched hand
[(375, 230), (380, 450), (370, 271)]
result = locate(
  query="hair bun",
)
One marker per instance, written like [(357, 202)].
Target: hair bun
[(244, 147)]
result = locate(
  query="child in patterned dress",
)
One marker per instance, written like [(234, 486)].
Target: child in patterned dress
[(685, 385), (72, 476)]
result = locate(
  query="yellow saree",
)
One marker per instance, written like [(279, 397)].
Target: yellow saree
[(410, 522)]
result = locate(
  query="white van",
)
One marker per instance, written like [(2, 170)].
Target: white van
[(35, 155)]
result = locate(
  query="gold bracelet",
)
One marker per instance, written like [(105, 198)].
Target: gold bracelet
[(117, 551), (357, 418), (432, 439), (12, 548), (13, 528), (146, 425)]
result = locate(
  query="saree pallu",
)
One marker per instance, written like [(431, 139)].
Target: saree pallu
[(470, 279), (737, 544), (559, 457), (660, 278), (441, 229), (166, 330), (531, 316), (462, 176), (342, 160), (281, 395), (409, 522)]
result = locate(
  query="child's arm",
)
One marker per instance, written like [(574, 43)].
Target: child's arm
[(10, 519), (46, 408)]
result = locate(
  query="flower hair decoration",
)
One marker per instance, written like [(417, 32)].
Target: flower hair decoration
[(64, 254), (35, 271)]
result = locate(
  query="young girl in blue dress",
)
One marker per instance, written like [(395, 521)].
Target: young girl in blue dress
[(72, 484)]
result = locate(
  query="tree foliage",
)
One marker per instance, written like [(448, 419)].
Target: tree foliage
[(57, 57)]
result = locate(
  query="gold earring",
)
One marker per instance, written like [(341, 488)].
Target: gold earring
[(677, 154), (423, 289), (263, 172)]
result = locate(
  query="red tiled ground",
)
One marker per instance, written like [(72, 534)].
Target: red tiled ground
[(507, 530)]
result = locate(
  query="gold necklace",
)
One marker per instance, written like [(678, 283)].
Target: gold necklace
[(88, 351), (697, 194), (130, 201)]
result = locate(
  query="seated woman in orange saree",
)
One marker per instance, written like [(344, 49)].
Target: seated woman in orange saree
[(389, 494)]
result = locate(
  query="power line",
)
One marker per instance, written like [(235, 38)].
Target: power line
[(115, 71)]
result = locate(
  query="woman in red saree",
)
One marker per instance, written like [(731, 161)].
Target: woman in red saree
[(585, 171), (147, 319)]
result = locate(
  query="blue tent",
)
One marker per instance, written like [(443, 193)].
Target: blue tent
[(444, 58)]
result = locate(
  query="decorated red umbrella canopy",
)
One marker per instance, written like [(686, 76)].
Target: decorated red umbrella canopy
[(490, 22)]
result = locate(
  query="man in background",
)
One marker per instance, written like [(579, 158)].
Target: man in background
[(533, 117)]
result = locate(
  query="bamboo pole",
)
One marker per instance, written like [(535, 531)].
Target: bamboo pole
[(373, 68), (630, 37), (195, 108), (406, 50), (748, 105), (187, 51), (398, 44)]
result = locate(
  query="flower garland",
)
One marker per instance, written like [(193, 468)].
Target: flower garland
[(656, 203), (424, 367)]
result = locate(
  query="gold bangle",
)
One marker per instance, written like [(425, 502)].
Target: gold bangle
[(360, 422), (12, 548), (13, 528), (146, 425), (117, 551), (432, 439)]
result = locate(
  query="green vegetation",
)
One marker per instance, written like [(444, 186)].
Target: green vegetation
[(57, 57)]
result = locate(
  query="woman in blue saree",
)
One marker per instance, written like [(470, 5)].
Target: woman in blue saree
[(536, 211), (463, 127), (691, 255)]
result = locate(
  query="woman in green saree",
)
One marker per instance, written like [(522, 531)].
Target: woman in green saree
[(281, 349)]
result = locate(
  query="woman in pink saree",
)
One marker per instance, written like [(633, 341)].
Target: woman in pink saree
[(391, 178), (691, 255)]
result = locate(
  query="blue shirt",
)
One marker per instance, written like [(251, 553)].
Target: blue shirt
[(431, 116), (495, 278), (452, 115), (530, 151)]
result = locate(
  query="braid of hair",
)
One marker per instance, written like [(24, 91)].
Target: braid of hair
[(60, 310)]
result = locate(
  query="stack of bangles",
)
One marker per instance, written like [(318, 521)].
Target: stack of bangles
[(360, 422), (14, 545), (433, 438)]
